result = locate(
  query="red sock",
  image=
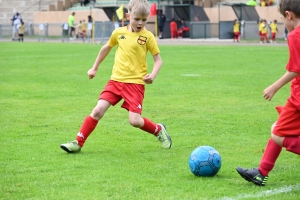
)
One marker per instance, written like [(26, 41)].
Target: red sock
[(150, 127), (269, 158), (87, 127), (292, 144)]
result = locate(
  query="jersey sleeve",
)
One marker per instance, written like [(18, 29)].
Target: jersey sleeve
[(152, 45), (294, 59), (113, 41)]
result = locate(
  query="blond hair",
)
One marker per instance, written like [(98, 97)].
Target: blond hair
[(139, 7)]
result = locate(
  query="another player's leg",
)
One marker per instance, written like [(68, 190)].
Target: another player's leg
[(259, 176), (286, 133), (87, 127)]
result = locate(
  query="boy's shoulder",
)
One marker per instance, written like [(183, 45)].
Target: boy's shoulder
[(295, 32)]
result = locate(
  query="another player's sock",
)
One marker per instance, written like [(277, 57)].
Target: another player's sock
[(292, 144), (269, 158), (150, 127), (87, 127)]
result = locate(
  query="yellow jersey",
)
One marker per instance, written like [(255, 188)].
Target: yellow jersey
[(130, 65), (83, 26), (260, 26), (273, 27), (21, 29), (79, 28), (236, 27), (264, 28)]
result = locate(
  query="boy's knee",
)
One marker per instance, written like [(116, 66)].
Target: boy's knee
[(134, 123), (277, 139), (97, 113)]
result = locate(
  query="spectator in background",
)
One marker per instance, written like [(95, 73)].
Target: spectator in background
[(264, 32), (21, 32), (173, 28), (286, 32), (183, 28), (259, 22), (84, 28), (161, 23), (236, 31), (270, 2), (71, 21), (262, 3), (79, 30), (273, 27), (16, 22), (84, 2), (93, 2), (90, 22)]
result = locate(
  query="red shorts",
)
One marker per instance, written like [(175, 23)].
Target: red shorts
[(236, 33), (288, 123), (133, 95)]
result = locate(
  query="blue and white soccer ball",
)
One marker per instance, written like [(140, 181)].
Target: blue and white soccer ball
[(205, 161)]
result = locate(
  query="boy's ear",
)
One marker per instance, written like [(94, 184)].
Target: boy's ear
[(289, 15), (127, 16)]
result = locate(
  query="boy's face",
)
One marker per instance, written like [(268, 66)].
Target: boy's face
[(137, 21)]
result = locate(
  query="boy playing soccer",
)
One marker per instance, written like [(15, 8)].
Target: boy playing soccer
[(286, 130), (129, 76)]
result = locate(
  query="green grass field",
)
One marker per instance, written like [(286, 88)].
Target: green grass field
[(206, 95)]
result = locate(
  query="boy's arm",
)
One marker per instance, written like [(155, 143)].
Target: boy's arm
[(104, 51), (149, 78), (270, 91)]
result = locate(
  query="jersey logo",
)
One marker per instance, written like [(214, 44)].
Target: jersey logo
[(122, 37), (141, 40)]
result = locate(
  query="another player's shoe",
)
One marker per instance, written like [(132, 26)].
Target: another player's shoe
[(252, 175), (164, 137), (71, 147)]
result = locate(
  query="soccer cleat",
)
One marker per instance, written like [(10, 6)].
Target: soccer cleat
[(252, 175), (164, 137), (71, 147)]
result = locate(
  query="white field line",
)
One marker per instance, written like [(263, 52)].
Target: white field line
[(285, 189), (190, 75)]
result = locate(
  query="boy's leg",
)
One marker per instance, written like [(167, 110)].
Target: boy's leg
[(87, 127), (133, 95), (259, 176), (159, 130), (269, 158), (287, 130), (91, 121)]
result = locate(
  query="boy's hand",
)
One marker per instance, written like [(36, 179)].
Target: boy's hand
[(148, 79), (269, 92), (91, 73)]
